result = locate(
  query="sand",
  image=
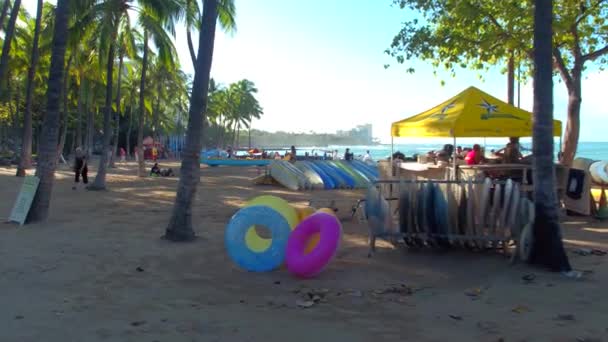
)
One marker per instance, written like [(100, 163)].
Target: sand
[(97, 270)]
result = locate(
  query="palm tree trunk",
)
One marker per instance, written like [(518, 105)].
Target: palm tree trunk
[(511, 79), (189, 39), (130, 124), (142, 110), (81, 98), (573, 124), (6, 48), (249, 133), (90, 128), (4, 11), (66, 113), (238, 133), (547, 248), (156, 115), (15, 118), (180, 225), (47, 159), (100, 178), (117, 112)]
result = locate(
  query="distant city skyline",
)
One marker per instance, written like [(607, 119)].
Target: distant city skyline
[(321, 74)]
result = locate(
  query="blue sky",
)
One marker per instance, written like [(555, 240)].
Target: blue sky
[(319, 65)]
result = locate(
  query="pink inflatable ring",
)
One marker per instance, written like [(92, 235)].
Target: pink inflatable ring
[(308, 265)]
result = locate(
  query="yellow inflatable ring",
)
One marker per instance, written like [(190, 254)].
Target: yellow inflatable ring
[(304, 212), (257, 243), (314, 239)]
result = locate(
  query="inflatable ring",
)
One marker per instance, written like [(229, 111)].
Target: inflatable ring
[(314, 239), (257, 243), (236, 244), (304, 212), (308, 265)]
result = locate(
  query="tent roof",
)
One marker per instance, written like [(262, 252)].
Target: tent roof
[(472, 113)]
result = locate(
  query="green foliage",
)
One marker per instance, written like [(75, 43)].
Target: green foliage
[(232, 107), (93, 27), (478, 34)]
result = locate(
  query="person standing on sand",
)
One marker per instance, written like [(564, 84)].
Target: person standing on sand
[(80, 167), (136, 152), (123, 155), (154, 154)]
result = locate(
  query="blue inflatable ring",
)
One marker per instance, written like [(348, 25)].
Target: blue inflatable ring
[(236, 245)]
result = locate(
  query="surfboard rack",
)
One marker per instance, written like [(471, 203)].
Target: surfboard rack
[(480, 214)]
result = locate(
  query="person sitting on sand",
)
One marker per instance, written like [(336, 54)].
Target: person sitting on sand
[(155, 170), (80, 167), (367, 157), (292, 154), (348, 155), (446, 153), (474, 157), (511, 152)]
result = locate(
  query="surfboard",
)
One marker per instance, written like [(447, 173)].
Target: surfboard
[(440, 211), (506, 204), (484, 203), (284, 176), (513, 211), (471, 228)]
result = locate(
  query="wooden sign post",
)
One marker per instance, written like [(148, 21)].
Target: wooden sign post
[(24, 200)]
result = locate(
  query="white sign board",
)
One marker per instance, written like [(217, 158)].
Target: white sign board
[(24, 200)]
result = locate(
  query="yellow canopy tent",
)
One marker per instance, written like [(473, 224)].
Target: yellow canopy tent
[(472, 113)]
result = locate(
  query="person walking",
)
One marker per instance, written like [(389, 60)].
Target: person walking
[(80, 168), (123, 155)]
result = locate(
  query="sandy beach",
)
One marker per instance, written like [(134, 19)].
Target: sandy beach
[(97, 270)]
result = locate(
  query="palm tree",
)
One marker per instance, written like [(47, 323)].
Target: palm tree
[(547, 248), (154, 16), (47, 160), (126, 48), (226, 17), (180, 225), (6, 48), (154, 21), (5, 6), (108, 33), (25, 162)]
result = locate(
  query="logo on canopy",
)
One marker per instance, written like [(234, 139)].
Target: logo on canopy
[(441, 115), (492, 112)]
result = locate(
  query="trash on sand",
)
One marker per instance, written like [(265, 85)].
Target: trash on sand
[(474, 292), (521, 309), (138, 323), (528, 278), (401, 289), (304, 303), (139, 269), (355, 293), (565, 317), (458, 318)]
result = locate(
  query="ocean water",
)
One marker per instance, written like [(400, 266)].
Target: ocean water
[(592, 150)]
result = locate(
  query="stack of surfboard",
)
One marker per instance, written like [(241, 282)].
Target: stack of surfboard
[(599, 172), (323, 174), (474, 215)]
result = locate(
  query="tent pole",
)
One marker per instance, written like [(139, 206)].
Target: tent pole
[(392, 153), (560, 148), (454, 156)]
